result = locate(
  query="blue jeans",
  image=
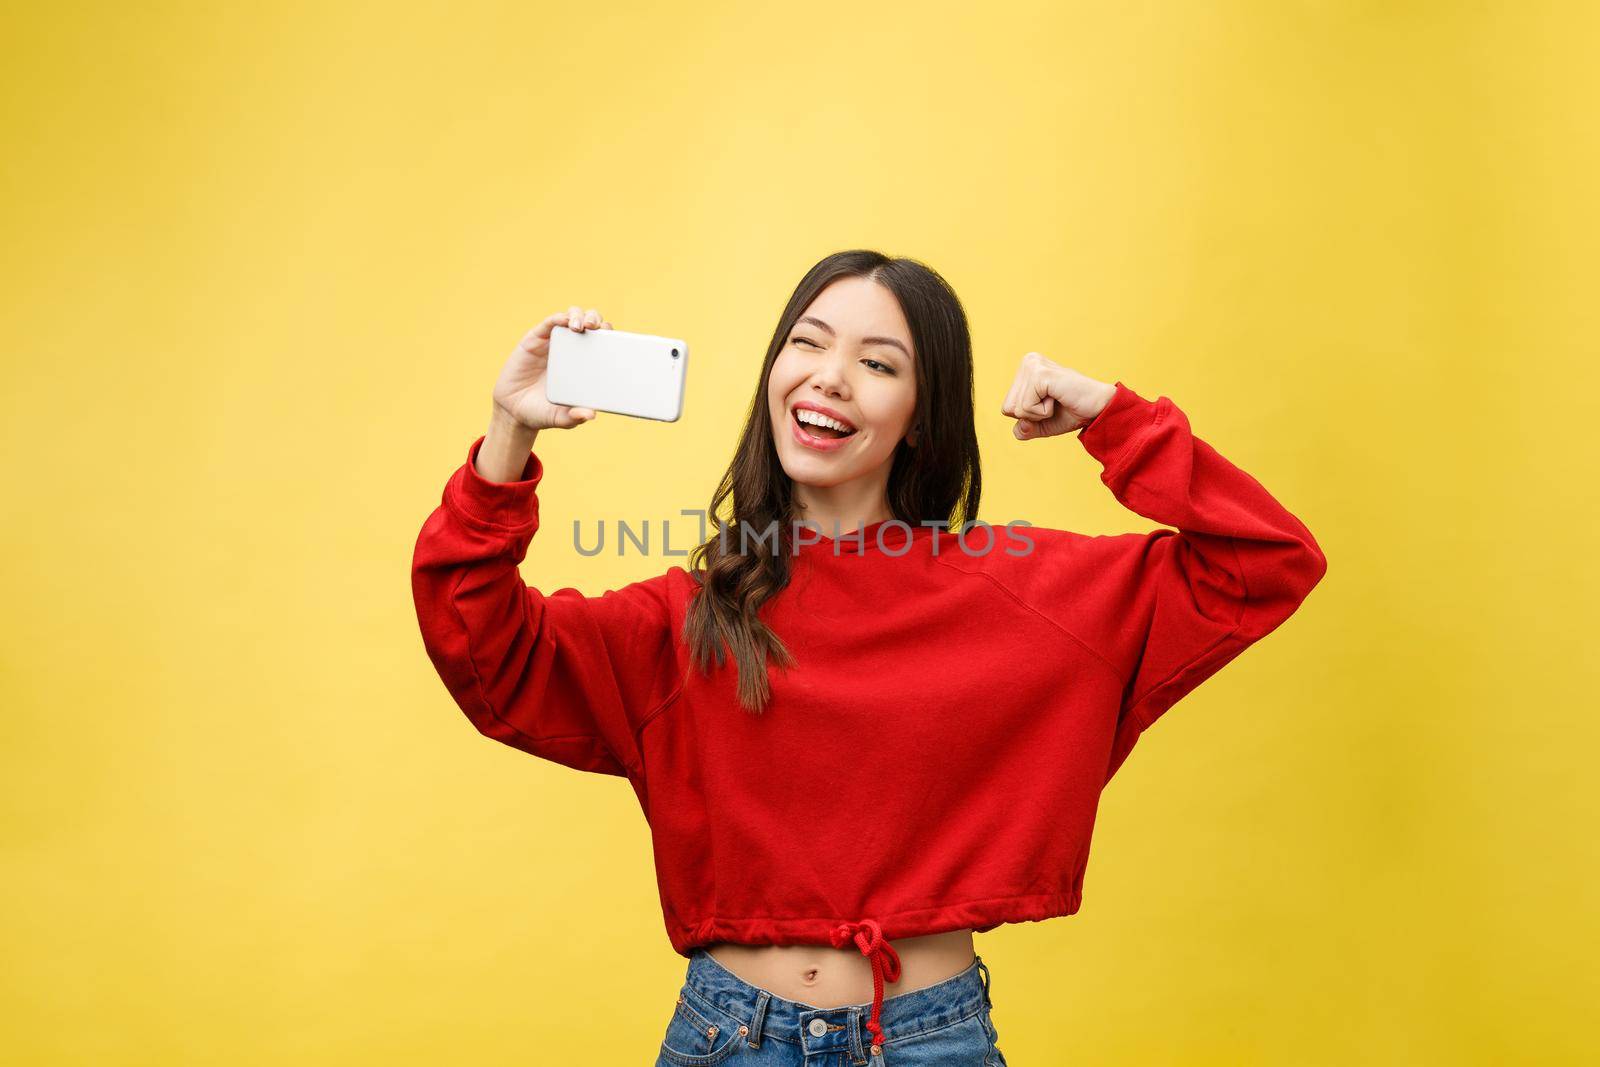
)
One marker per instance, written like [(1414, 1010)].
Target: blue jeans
[(722, 1019)]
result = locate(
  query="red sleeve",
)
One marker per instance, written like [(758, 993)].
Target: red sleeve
[(560, 675), (1170, 608)]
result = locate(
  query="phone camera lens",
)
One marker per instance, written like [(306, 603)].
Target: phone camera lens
[(674, 353)]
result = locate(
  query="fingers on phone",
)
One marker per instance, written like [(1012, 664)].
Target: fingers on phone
[(574, 318)]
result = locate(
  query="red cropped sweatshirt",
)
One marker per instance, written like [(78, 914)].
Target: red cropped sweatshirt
[(935, 759)]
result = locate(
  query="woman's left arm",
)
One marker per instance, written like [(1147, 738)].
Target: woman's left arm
[(1170, 607)]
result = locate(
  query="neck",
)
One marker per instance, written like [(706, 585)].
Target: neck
[(836, 510)]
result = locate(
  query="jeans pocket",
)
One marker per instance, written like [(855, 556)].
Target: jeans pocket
[(700, 1034)]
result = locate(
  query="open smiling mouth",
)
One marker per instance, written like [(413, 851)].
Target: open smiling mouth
[(819, 425)]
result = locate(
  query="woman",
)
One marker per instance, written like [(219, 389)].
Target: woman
[(859, 738)]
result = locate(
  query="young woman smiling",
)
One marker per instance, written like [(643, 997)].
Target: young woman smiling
[(861, 726)]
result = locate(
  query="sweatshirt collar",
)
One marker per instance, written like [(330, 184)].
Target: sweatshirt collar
[(896, 536)]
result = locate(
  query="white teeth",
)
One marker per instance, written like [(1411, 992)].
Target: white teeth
[(816, 418)]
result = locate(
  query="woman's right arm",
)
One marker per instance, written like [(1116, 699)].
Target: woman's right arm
[(562, 675), (505, 448)]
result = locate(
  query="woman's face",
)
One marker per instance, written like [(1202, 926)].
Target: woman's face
[(849, 356)]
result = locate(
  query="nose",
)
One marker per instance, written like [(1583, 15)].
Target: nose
[(829, 377)]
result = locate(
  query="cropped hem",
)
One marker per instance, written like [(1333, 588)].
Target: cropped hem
[(976, 915)]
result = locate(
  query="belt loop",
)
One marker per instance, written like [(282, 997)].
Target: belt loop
[(760, 1019), (983, 972), (858, 1055)]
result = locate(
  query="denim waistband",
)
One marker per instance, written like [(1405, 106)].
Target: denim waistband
[(842, 1029)]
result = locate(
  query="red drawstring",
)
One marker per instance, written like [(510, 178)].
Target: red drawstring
[(884, 959)]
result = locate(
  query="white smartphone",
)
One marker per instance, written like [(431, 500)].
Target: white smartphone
[(636, 374)]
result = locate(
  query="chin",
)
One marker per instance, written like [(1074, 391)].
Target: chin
[(818, 475)]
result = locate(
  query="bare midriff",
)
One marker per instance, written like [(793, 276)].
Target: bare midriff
[(824, 977)]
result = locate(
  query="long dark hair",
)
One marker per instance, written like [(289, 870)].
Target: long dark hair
[(937, 480)]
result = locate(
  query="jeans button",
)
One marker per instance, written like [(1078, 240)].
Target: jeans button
[(817, 1028)]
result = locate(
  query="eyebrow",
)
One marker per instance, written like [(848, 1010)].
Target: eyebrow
[(890, 341)]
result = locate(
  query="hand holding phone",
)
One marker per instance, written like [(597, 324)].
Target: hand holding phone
[(521, 391), (557, 377)]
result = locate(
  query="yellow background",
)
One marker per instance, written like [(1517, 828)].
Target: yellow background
[(263, 265)]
